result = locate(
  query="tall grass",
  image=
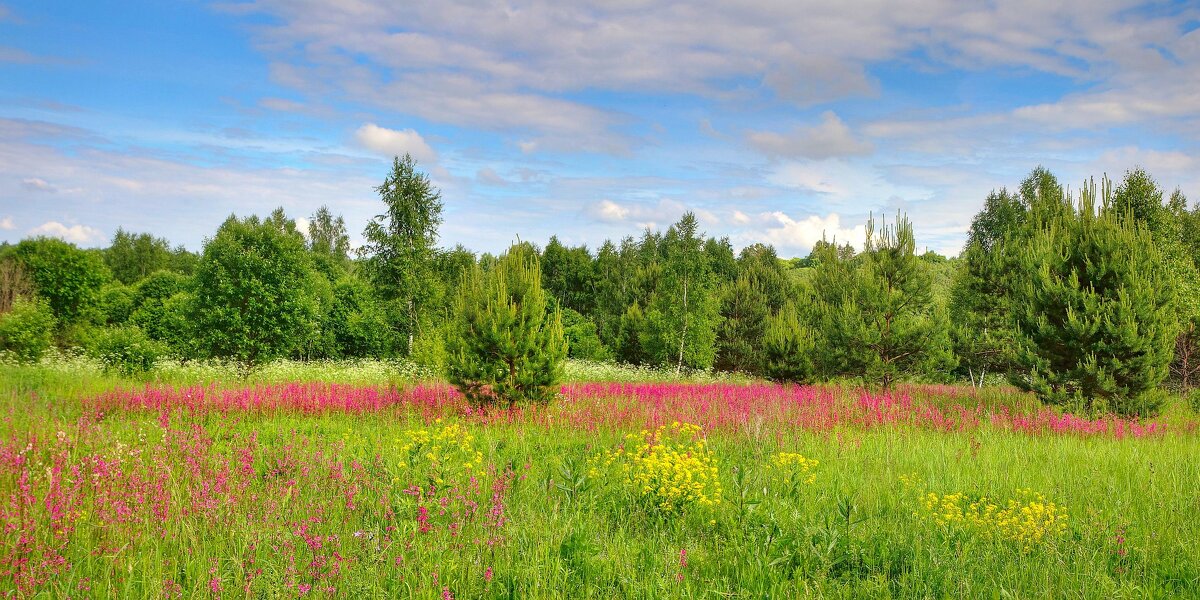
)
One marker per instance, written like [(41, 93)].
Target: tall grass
[(204, 488)]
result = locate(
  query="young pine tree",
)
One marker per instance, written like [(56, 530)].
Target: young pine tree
[(788, 347), (1096, 314), (883, 323), (506, 345)]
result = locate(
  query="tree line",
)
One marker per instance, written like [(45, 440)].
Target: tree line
[(1088, 297)]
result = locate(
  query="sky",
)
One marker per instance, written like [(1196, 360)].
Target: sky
[(778, 122)]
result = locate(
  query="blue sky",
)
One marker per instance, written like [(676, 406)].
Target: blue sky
[(775, 122)]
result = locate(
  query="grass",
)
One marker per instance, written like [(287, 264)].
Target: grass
[(201, 498)]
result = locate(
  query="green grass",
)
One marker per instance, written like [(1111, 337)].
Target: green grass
[(857, 531)]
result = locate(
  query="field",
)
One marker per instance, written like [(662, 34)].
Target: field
[(369, 481)]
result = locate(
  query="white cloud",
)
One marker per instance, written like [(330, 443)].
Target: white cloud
[(35, 184), (519, 67), (489, 176), (642, 215), (79, 234), (395, 142), (7, 224), (794, 235), (830, 138), (608, 211), (836, 180), (303, 225)]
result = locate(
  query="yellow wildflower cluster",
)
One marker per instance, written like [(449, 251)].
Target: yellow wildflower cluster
[(671, 467), (797, 465), (446, 453), (1026, 518)]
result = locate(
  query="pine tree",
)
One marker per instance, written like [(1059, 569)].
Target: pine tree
[(744, 313), (506, 346), (878, 318), (1096, 314), (788, 347)]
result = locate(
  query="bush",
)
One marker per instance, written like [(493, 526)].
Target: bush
[(26, 331), (126, 350), (1193, 398)]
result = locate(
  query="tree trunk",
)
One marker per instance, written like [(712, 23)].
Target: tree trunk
[(683, 335)]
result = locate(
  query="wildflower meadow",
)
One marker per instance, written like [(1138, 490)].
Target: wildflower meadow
[(176, 487)]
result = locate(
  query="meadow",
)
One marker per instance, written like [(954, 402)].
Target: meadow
[(374, 480)]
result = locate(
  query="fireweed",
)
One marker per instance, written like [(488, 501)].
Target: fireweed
[(749, 409)]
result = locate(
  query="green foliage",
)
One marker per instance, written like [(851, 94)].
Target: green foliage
[(175, 326), (876, 313), (582, 339), (254, 293), (567, 274), (67, 277), (183, 262), (162, 311), (681, 323), (399, 253), (616, 276), (159, 286), (981, 325), (26, 331), (788, 346), (761, 289), (329, 243), (126, 350), (131, 257), (355, 321), (629, 348), (744, 312), (15, 282), (506, 346), (116, 303), (1095, 313)]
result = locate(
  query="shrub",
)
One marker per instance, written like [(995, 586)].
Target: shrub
[(26, 331), (1193, 398), (126, 350)]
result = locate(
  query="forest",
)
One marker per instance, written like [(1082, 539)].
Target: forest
[(1087, 297)]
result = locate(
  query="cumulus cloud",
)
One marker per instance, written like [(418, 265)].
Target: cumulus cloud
[(800, 234), (7, 224), (395, 142), (78, 234), (828, 139)]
